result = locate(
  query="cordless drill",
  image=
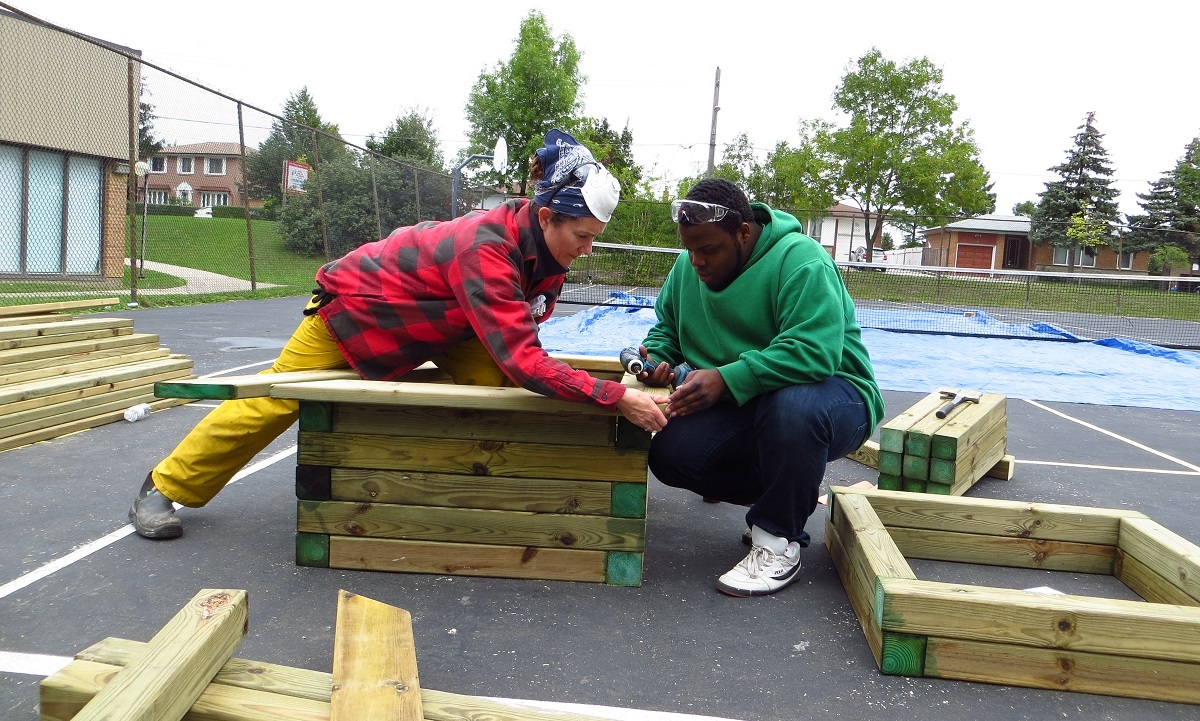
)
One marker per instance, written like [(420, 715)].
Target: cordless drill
[(631, 360)]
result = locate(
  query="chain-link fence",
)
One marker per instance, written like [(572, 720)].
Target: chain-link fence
[(120, 178)]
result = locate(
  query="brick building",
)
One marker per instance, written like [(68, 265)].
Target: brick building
[(1002, 242), (200, 174)]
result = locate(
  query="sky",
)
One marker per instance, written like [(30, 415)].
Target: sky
[(1024, 73)]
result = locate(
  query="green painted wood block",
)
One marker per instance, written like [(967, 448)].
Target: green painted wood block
[(913, 485), (312, 550), (629, 435), (199, 391), (917, 444), (941, 489), (915, 467), (623, 568), (316, 416), (891, 463), (629, 500), (941, 470), (314, 483), (888, 482), (903, 655), (891, 440)]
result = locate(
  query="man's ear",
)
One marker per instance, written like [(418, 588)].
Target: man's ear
[(745, 232)]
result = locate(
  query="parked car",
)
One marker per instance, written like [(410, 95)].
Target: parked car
[(878, 256)]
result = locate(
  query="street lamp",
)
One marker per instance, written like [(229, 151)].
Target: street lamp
[(499, 158), (142, 169)]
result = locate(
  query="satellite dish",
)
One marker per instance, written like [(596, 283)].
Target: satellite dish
[(500, 156)]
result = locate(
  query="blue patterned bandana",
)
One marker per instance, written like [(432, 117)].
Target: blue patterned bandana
[(560, 157)]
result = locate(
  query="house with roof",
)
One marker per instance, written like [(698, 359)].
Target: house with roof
[(1001, 242), (841, 230), (199, 174), (64, 153)]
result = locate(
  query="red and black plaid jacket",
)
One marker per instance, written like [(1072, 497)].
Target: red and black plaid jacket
[(415, 294)]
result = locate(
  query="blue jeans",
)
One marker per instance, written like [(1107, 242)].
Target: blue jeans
[(769, 454)]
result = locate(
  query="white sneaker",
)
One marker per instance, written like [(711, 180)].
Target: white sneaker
[(762, 572)]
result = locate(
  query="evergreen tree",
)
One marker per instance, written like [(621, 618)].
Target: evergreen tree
[(1172, 209), (615, 150), (291, 139), (1081, 209), (411, 138)]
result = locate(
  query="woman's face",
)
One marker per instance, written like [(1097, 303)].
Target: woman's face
[(570, 238)]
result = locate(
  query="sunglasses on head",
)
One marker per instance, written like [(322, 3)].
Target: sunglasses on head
[(696, 212)]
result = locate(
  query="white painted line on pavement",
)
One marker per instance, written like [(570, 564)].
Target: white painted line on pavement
[(238, 368), (1109, 468), (32, 664), (1121, 438)]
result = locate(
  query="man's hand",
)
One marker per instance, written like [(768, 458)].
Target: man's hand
[(654, 375), (641, 409), (702, 389)]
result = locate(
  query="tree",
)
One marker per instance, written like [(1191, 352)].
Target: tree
[(793, 178), (901, 150), (1172, 209), (1025, 208), (411, 138), (1083, 198), (291, 138), (149, 144), (615, 150), (535, 90)]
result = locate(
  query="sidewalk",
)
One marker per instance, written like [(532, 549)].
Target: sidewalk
[(196, 281)]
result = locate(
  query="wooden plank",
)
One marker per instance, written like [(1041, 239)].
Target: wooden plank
[(1060, 670), (967, 425), (374, 663), (54, 340), (60, 368), (1165, 552), (431, 394), (1002, 615), (142, 343), (859, 588), (471, 525), (466, 559), (891, 464), (605, 364), (1004, 551), (915, 468), (179, 662), (1147, 583), (90, 379), (996, 517), (276, 692), (913, 485), (480, 458), (9, 358), (62, 428), (36, 308), (76, 410), (867, 454), (1004, 469), (476, 424), (55, 328), (31, 414), (448, 490), (888, 482), (864, 536), (891, 435), (247, 386), (974, 463), (919, 436), (16, 320)]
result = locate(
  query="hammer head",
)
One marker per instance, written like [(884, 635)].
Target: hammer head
[(961, 396)]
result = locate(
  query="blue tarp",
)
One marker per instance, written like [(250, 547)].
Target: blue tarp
[(1111, 371)]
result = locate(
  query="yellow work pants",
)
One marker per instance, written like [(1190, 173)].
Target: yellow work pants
[(233, 433)]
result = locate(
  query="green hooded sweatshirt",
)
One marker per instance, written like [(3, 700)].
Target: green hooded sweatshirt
[(786, 319)]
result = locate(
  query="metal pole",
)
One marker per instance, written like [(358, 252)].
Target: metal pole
[(145, 215), (455, 187), (712, 138), (246, 198)]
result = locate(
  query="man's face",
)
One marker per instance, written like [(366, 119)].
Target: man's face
[(713, 252)]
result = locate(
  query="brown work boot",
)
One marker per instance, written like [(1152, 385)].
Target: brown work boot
[(153, 514)]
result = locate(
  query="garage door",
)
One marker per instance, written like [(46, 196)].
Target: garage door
[(974, 256)]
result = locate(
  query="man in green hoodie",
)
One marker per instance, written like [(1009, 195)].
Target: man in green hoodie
[(782, 381)]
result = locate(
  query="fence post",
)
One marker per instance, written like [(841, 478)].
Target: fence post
[(320, 196), (375, 195), (417, 191), (131, 179), (1028, 283), (246, 198)]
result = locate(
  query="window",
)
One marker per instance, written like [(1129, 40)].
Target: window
[(214, 166), (210, 199), (157, 196), (50, 205), (1084, 257), (186, 166), (158, 164), (1125, 261), (184, 192), (814, 228)]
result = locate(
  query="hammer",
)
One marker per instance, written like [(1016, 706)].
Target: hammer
[(954, 399)]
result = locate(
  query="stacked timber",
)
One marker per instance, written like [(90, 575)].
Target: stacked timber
[(1137, 649), (922, 452), (186, 671), (61, 373)]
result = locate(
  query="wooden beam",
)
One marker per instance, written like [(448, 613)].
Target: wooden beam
[(374, 663), (246, 386), (867, 454), (892, 434), (858, 587), (1168, 554), (475, 424), (63, 367), (967, 425), (65, 427), (178, 664), (1147, 583), (12, 356), (37, 308), (77, 404), (54, 340), (53, 328), (1004, 551), (463, 559), (99, 377), (430, 394)]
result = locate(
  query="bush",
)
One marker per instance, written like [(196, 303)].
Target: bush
[(236, 211)]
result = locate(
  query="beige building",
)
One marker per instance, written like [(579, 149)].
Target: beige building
[(64, 153), (199, 174)]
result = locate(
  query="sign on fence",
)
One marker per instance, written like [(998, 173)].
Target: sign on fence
[(295, 175)]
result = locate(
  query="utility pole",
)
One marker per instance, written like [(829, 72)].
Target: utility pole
[(712, 139)]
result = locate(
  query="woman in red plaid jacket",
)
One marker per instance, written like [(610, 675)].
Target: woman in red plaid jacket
[(467, 294)]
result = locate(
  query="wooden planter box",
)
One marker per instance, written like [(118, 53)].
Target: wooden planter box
[(467, 480), (1145, 650)]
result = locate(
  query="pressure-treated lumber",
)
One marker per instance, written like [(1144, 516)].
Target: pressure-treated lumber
[(53, 328), (967, 425), (430, 394), (473, 423), (91, 421), (374, 663), (88, 379), (891, 435), (1166, 553), (1148, 583), (38, 308), (1004, 551), (859, 587), (249, 386), (53, 413), (41, 356), (77, 364), (868, 455), (178, 663)]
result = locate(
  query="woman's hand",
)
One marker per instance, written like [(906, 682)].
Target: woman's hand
[(641, 409)]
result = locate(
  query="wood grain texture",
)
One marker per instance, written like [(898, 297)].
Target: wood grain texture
[(90, 379), (867, 454), (59, 339), (374, 663), (178, 664), (973, 463), (1003, 551), (1168, 554), (39, 308), (892, 434), (54, 328), (968, 425), (859, 588), (13, 359), (476, 424), (1147, 583), (72, 364), (244, 386), (466, 559), (471, 526), (431, 394), (100, 418)]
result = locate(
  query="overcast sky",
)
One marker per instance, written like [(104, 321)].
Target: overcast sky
[(1024, 73)]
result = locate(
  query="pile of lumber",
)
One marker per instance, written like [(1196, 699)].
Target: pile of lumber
[(922, 452), (186, 672), (1138, 649), (61, 373)]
